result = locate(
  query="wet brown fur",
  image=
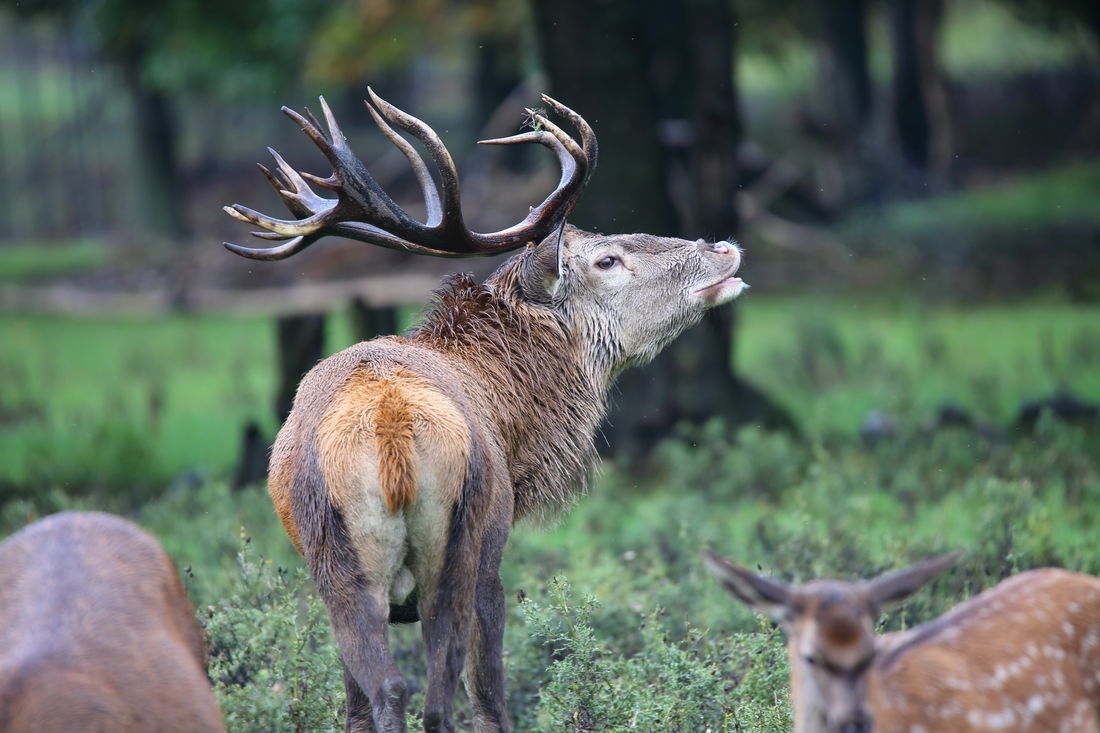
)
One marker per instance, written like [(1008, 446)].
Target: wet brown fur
[(484, 414), (484, 368), (97, 633), (486, 353)]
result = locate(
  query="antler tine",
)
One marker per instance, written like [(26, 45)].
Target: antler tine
[(570, 144), (285, 227), (451, 217), (311, 128), (572, 158), (334, 132), (281, 252), (351, 230), (588, 137), (555, 207), (293, 190), (420, 168)]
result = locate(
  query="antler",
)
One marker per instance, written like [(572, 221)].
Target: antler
[(363, 211)]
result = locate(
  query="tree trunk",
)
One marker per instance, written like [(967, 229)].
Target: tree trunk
[(677, 58), (156, 181), (845, 24), (920, 113), (301, 343), (597, 58)]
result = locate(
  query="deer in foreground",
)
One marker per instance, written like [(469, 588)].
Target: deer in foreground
[(97, 633), (405, 460), (1023, 656)]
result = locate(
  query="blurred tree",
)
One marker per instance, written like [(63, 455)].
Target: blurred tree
[(845, 26), (597, 58), (588, 49), (919, 104), (1061, 13), (167, 49)]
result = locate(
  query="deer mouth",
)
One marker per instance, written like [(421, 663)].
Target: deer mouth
[(722, 291)]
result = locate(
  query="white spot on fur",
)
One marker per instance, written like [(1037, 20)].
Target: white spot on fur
[(1004, 719)]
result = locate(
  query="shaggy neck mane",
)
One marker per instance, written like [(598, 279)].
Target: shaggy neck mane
[(542, 396)]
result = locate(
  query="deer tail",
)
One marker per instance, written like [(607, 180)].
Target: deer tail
[(396, 448)]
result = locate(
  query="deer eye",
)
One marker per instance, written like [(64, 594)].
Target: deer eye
[(607, 262), (810, 660)]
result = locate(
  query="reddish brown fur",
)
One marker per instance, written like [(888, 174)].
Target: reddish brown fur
[(397, 415), (840, 631), (1023, 656), (484, 414), (393, 435), (97, 633)]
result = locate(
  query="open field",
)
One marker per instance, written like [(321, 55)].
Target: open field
[(621, 629)]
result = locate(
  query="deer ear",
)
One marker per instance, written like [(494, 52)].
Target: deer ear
[(900, 584), (544, 268), (764, 595)]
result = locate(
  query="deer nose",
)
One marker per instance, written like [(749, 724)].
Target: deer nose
[(721, 248), (860, 724)]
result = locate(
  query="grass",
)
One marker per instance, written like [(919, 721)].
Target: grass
[(613, 624), (132, 404), (129, 401), (20, 263), (833, 359), (1061, 196)]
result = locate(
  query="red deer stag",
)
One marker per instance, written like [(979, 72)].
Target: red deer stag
[(1023, 656), (97, 634), (405, 460)]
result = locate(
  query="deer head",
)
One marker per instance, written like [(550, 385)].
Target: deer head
[(629, 295), (830, 632), (626, 296)]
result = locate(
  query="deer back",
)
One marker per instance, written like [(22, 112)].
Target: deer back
[(1022, 656), (97, 633)]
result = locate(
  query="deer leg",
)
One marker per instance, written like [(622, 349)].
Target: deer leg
[(445, 623), (359, 716), (483, 675), (359, 624)]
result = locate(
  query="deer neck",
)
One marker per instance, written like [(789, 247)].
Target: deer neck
[(809, 708), (543, 399)]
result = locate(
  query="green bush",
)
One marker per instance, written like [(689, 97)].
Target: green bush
[(693, 683), (272, 656)]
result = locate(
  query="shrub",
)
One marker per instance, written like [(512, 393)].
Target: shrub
[(272, 656), (695, 683)]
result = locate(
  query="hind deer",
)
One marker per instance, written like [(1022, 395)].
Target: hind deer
[(97, 633), (1023, 656), (405, 460)]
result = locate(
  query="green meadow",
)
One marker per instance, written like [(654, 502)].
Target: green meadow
[(614, 624)]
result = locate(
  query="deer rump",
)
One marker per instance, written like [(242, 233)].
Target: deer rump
[(371, 493)]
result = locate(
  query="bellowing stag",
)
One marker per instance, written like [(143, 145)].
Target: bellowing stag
[(405, 460)]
